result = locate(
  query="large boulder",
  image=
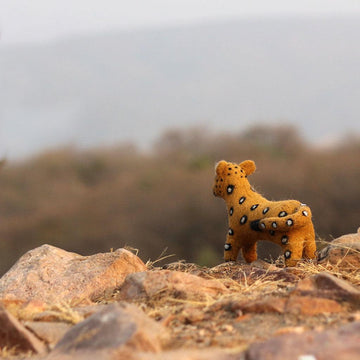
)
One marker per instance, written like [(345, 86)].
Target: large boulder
[(117, 331), (324, 285), (53, 275), (343, 252), (342, 343), (176, 284)]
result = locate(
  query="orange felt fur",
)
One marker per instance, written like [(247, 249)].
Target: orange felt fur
[(252, 217)]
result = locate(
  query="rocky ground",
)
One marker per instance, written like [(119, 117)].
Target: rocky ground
[(61, 305)]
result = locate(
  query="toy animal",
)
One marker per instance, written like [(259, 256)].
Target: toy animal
[(253, 218)]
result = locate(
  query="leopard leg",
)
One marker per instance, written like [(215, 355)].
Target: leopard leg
[(309, 251), (249, 252), (293, 246), (231, 248)]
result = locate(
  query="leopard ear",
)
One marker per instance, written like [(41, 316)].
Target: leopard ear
[(220, 165), (248, 166)]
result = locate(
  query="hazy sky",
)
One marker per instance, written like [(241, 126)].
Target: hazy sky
[(39, 20)]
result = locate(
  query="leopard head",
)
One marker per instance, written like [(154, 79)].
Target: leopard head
[(230, 177)]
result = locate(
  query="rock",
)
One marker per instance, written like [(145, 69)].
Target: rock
[(86, 311), (190, 268), (325, 285), (14, 335), (37, 310), (342, 343), (191, 315), (176, 284), (117, 330), (251, 273), (49, 332), (191, 354), (344, 252), (24, 310), (290, 330), (270, 304), (306, 305), (54, 275), (181, 354)]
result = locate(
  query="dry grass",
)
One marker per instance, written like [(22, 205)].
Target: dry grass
[(13, 353), (342, 269), (131, 249), (150, 263), (166, 303), (8, 353), (309, 268), (65, 313)]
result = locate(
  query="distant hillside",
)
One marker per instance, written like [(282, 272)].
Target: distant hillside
[(130, 85)]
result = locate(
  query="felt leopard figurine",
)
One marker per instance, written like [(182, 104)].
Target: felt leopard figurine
[(252, 217)]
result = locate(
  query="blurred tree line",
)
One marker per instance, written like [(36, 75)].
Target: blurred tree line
[(94, 200)]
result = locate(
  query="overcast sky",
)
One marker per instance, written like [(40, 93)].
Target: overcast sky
[(39, 20)]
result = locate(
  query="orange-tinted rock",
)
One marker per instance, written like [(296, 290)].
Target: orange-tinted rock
[(54, 275), (290, 330), (24, 310), (14, 335), (306, 305), (268, 305), (116, 329), (49, 332), (169, 283), (181, 354), (191, 315), (344, 252), (342, 343), (189, 354), (251, 273), (328, 286)]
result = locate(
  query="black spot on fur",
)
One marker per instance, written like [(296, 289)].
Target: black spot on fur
[(243, 220), (254, 225), (242, 199), (284, 240), (230, 189), (227, 247)]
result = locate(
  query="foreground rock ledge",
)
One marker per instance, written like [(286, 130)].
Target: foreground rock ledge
[(118, 330), (13, 335), (53, 275), (342, 343), (167, 283)]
